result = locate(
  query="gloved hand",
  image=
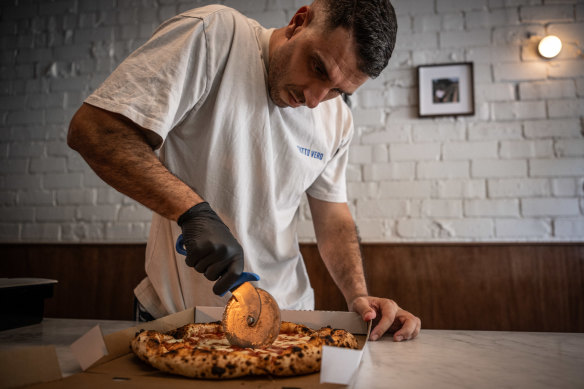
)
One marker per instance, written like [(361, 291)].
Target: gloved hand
[(211, 248)]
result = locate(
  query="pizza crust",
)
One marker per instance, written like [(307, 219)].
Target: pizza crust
[(202, 351)]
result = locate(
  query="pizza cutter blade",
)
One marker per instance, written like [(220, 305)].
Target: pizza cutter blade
[(252, 316)]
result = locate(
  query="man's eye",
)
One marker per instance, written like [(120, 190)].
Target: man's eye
[(318, 69)]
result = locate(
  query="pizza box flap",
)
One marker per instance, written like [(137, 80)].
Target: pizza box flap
[(16, 362), (349, 321)]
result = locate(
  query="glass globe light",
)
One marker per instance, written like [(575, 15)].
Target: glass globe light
[(549, 46)]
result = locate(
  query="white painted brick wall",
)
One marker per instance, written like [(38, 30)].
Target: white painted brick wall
[(551, 89), (414, 152), (558, 128), (550, 207), (491, 208), (470, 150), (570, 228), (494, 168), (522, 228), (518, 188), (515, 149), (512, 172)]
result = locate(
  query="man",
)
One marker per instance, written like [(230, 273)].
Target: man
[(246, 120)]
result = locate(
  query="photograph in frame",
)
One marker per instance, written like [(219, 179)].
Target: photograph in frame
[(446, 89)]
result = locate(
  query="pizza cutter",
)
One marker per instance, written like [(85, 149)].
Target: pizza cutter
[(252, 315)]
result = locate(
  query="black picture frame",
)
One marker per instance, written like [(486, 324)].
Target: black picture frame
[(446, 90)]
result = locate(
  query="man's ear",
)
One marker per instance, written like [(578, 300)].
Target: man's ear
[(300, 20)]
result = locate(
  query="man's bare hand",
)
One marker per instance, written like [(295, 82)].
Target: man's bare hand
[(390, 317)]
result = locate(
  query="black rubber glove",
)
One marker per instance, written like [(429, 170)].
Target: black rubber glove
[(211, 248)]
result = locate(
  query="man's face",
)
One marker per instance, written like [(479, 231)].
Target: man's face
[(312, 66)]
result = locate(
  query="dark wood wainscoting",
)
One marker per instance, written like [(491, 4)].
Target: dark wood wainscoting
[(513, 287), (499, 287), (96, 281)]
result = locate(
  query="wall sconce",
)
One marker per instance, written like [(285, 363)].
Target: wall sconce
[(549, 46)]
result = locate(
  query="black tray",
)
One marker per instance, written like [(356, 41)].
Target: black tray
[(22, 301)]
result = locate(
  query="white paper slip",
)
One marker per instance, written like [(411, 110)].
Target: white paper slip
[(339, 364), (89, 348)]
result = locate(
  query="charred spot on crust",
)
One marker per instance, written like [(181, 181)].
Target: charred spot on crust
[(139, 332), (230, 366), (247, 363), (153, 341), (216, 370), (179, 333), (296, 349)]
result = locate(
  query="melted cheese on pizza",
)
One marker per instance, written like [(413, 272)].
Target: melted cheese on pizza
[(219, 342)]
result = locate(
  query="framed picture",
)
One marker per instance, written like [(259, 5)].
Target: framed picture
[(446, 89)]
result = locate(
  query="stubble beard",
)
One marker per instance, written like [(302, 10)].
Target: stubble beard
[(274, 84), (278, 73)]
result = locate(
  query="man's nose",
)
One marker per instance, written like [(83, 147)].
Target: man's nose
[(314, 94)]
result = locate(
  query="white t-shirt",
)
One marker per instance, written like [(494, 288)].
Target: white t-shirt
[(200, 83)]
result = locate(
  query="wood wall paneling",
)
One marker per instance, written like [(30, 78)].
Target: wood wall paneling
[(522, 287), (519, 287), (96, 281)]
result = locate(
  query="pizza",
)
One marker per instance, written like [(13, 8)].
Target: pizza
[(202, 351)]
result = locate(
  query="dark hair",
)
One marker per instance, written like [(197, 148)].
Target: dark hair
[(374, 26)]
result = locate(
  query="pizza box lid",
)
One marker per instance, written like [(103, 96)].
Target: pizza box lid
[(107, 360)]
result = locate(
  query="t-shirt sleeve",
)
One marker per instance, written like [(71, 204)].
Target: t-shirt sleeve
[(161, 81), (331, 184)]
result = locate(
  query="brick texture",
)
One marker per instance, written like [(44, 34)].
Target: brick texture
[(512, 172)]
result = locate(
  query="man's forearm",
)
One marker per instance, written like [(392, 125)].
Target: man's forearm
[(338, 245), (119, 153)]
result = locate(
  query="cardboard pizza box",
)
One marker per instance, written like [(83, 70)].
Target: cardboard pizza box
[(107, 361)]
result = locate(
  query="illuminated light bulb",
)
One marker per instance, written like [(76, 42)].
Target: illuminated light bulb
[(549, 46)]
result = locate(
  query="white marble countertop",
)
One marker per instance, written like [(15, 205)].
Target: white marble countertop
[(436, 359), (475, 359)]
